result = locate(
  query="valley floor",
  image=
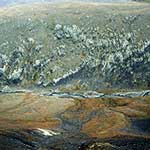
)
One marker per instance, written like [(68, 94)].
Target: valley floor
[(32, 121)]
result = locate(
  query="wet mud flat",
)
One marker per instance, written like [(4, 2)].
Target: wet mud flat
[(29, 121)]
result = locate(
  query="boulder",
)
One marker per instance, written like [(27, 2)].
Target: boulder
[(6, 89), (15, 77)]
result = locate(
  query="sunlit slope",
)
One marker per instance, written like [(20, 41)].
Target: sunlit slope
[(39, 21)]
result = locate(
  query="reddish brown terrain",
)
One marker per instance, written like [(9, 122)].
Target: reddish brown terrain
[(89, 119)]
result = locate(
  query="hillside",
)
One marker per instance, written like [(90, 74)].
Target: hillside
[(63, 38), (75, 76)]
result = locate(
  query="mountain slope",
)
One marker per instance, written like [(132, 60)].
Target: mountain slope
[(45, 43)]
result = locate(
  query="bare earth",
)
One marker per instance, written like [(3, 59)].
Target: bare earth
[(30, 118)]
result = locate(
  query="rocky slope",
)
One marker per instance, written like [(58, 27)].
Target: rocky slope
[(50, 50)]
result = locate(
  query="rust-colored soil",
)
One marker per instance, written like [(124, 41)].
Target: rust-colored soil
[(105, 118), (100, 118), (31, 111)]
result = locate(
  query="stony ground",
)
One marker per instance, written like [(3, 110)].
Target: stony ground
[(63, 37)]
